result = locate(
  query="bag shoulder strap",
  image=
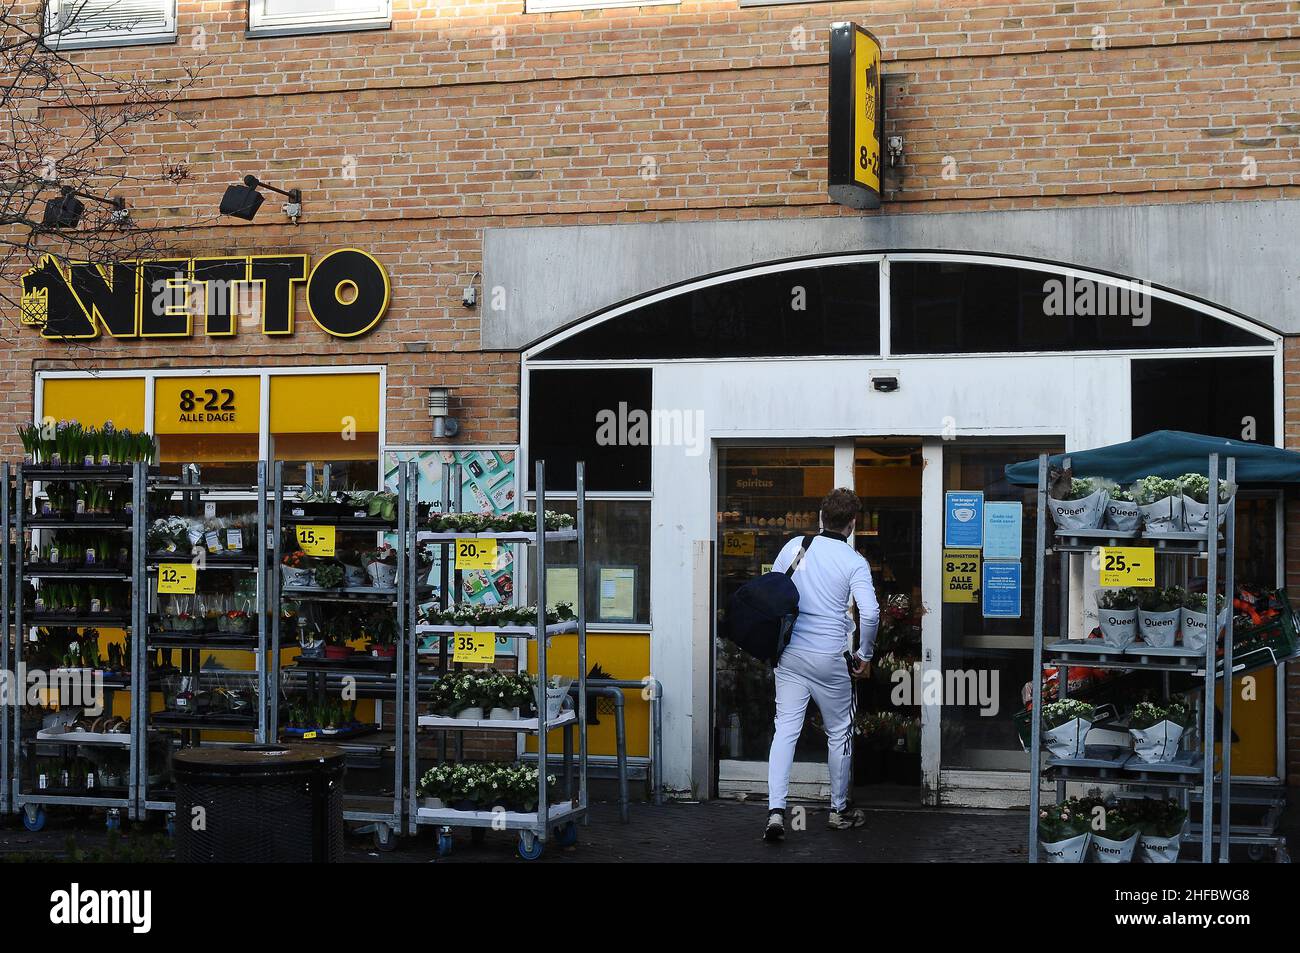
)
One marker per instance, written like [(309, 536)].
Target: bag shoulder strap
[(798, 557)]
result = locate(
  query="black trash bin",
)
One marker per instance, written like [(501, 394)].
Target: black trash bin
[(260, 804)]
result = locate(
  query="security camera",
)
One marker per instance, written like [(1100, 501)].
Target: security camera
[(470, 297)]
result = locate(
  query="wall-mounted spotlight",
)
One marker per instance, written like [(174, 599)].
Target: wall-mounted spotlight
[(66, 210), (243, 201), (444, 425)]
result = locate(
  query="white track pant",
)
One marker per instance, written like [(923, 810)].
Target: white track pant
[(825, 679)]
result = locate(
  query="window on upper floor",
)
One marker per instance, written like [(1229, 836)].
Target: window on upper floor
[(556, 6), (79, 24), (282, 17)]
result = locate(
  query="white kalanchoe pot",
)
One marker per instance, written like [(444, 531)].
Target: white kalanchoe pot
[(1065, 727), (1084, 507), (1161, 503), (1157, 731), (1122, 514), (1159, 614), (1194, 621), (1117, 613), (1196, 501)]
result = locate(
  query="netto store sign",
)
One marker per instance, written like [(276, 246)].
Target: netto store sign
[(856, 117), (347, 295)]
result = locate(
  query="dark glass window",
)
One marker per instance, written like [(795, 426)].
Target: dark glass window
[(590, 415), (1219, 396), (958, 307), (831, 309)]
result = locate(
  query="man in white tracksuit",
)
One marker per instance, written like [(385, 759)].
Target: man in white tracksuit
[(813, 664)]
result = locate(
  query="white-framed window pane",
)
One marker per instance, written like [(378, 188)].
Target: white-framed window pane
[(72, 24), (307, 15), (556, 6)]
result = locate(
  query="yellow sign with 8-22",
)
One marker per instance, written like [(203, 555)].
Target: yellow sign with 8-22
[(1127, 566)]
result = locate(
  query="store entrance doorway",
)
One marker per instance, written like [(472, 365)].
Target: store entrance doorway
[(767, 494)]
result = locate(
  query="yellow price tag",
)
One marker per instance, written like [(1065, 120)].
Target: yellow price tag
[(177, 579), (476, 554), (1128, 566), (480, 647), (316, 540), (738, 544), (308, 735)]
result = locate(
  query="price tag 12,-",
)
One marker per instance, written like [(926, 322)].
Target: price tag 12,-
[(316, 540), (479, 647), (476, 554), (1128, 566), (177, 579)]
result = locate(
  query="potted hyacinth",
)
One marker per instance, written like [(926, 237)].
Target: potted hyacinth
[(1196, 501), (1117, 613), (1065, 727), (1063, 833), (1161, 503), (1195, 619), (1161, 823), (1114, 832), (381, 565), (1082, 506), (1157, 730), (1122, 513), (1159, 611)]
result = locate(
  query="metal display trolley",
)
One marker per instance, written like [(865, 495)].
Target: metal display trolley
[(549, 819), (9, 647), (382, 814), (32, 791), (251, 557), (1102, 764)]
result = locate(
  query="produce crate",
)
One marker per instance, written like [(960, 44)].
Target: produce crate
[(1274, 639)]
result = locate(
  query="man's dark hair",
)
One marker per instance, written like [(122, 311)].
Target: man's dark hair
[(839, 506)]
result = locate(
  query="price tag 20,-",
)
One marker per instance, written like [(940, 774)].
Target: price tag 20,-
[(480, 647), (177, 579), (1128, 566), (316, 540), (476, 554)]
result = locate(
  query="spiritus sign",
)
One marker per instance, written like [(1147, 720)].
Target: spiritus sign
[(347, 293)]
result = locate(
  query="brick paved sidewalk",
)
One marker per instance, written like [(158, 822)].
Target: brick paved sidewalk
[(714, 831)]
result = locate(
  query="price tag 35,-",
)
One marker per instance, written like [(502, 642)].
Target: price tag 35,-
[(1128, 566), (480, 647), (316, 540), (177, 579), (476, 554)]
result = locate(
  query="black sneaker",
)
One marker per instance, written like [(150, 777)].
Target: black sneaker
[(775, 832)]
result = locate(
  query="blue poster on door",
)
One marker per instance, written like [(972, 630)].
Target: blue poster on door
[(1001, 590), (1002, 530), (963, 519)]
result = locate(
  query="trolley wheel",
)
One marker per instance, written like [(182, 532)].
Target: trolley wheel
[(170, 824), (1255, 852), (384, 839), (567, 834), (1283, 856), (445, 844), (530, 845), (33, 817), (113, 820), (477, 835)]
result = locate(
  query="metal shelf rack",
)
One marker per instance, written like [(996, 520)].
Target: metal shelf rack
[(190, 488), (558, 819), (32, 799), (1188, 774), (383, 814)]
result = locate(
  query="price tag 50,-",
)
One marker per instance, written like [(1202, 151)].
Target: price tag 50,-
[(316, 540), (474, 647), (177, 579), (1127, 566), (476, 554)]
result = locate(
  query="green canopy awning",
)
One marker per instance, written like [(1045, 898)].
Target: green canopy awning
[(1170, 453)]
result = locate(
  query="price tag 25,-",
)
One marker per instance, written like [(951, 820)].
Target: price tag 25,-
[(476, 554), (478, 647), (177, 579), (1128, 566), (316, 540)]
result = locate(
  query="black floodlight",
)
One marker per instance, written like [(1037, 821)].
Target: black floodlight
[(243, 201), (66, 210)]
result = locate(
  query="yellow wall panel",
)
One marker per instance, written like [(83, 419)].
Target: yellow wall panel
[(319, 403), (94, 400)]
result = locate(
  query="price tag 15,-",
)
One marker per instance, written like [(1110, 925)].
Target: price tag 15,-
[(476, 554), (480, 647), (1128, 566), (177, 579), (316, 540)]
